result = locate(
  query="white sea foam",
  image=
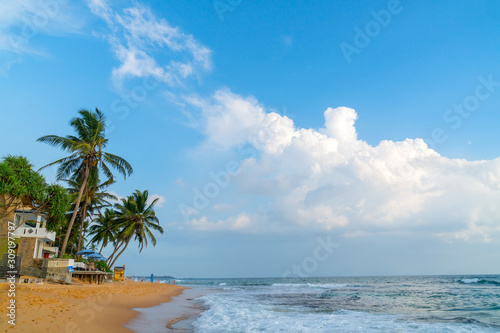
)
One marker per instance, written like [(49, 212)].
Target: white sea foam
[(475, 280), (252, 310), (237, 312)]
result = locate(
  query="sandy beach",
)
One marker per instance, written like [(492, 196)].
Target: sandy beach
[(81, 307)]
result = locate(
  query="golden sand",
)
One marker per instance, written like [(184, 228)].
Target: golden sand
[(82, 307)]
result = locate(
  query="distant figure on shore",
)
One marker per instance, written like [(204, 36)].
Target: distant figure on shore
[(142, 279), (152, 278)]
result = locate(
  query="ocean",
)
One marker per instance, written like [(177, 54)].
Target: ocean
[(349, 304)]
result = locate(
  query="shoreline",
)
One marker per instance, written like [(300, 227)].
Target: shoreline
[(82, 307), (175, 315)]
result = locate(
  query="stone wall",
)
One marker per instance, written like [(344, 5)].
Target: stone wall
[(34, 269)]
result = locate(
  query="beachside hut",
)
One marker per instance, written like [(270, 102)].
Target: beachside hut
[(119, 273)]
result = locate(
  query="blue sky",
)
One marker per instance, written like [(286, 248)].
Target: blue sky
[(389, 151)]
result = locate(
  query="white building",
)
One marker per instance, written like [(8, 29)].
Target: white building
[(35, 234)]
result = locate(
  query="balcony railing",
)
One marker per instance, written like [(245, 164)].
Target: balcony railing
[(41, 233)]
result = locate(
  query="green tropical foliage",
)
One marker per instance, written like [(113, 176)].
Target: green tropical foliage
[(94, 199), (21, 186), (102, 266), (86, 199), (56, 203), (135, 219), (104, 229), (86, 156)]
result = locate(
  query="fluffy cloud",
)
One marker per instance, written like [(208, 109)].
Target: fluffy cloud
[(228, 118), (328, 179), (137, 35), (243, 222)]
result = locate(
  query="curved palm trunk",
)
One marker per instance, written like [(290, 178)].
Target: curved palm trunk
[(119, 254), (118, 247), (102, 245), (80, 238), (73, 217)]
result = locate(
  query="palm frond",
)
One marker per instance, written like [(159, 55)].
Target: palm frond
[(118, 163)]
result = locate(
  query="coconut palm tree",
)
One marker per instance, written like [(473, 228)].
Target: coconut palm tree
[(135, 219), (94, 199), (104, 229), (86, 153)]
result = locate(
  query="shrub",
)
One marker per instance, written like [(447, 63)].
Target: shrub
[(102, 266)]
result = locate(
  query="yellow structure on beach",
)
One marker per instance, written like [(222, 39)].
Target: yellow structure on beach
[(119, 273)]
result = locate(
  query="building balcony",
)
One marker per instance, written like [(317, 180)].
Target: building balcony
[(52, 249), (40, 233)]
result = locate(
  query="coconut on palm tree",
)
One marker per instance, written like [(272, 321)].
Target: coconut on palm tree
[(86, 153)]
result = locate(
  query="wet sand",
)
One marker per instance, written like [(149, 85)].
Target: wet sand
[(174, 316)]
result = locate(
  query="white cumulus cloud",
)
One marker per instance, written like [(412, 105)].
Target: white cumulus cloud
[(328, 179)]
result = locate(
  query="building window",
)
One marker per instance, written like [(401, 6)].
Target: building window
[(30, 219), (17, 219)]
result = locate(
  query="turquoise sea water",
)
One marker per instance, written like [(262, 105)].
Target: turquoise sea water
[(351, 304)]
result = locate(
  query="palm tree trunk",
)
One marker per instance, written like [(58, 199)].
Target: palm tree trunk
[(73, 217), (119, 254), (110, 258), (82, 224)]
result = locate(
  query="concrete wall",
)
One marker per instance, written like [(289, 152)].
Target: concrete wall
[(57, 270), (26, 249)]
